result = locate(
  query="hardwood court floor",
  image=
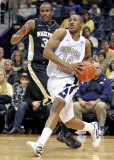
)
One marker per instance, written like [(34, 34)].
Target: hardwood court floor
[(12, 147)]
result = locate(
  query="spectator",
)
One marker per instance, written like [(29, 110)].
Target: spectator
[(92, 60), (88, 22), (111, 45), (17, 98), (10, 73), (95, 11), (109, 52), (6, 91), (20, 71), (65, 22), (3, 8), (22, 49), (2, 60), (26, 12), (32, 103), (106, 4), (87, 34), (57, 9), (94, 96), (15, 5), (111, 13), (110, 73), (71, 3), (103, 61), (17, 60)]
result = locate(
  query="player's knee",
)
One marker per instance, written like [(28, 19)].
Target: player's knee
[(57, 105), (68, 124)]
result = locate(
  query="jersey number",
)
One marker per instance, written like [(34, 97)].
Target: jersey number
[(62, 69), (45, 40)]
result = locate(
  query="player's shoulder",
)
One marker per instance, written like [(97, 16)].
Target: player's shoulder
[(87, 42), (61, 32)]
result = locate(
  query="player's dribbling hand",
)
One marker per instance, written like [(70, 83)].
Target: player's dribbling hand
[(24, 30)]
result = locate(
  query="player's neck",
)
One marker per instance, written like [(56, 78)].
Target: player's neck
[(75, 37)]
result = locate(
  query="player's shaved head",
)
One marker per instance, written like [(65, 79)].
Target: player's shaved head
[(47, 4), (79, 17)]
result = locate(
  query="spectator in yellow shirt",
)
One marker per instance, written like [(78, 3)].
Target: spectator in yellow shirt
[(88, 21), (6, 91), (109, 52)]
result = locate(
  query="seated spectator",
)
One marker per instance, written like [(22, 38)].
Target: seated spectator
[(106, 4), (87, 34), (103, 61), (18, 59), (15, 5), (57, 9), (92, 60), (2, 60), (65, 22), (32, 103), (95, 10), (22, 49), (94, 96), (75, 5), (109, 52), (10, 73), (111, 13), (6, 91), (110, 73), (88, 21), (26, 12), (71, 3), (20, 71), (2, 10), (17, 98), (111, 44)]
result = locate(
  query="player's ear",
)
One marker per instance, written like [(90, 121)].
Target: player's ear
[(82, 24), (52, 13)]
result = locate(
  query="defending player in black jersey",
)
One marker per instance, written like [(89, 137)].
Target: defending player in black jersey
[(40, 30)]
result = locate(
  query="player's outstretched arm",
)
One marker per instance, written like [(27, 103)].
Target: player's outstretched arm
[(25, 29)]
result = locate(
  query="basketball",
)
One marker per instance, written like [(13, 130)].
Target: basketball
[(87, 73)]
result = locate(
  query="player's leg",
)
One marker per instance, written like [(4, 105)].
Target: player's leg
[(92, 128), (51, 123)]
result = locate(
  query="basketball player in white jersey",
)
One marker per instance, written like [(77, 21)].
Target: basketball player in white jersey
[(65, 49)]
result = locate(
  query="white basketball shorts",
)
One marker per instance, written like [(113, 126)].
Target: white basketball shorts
[(64, 88)]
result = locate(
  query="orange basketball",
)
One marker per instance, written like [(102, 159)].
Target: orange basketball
[(88, 73)]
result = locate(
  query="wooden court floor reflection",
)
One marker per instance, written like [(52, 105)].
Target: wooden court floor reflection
[(13, 147)]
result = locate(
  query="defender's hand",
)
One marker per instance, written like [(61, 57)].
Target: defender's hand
[(24, 30)]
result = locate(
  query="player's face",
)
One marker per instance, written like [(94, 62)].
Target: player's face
[(46, 13), (75, 24)]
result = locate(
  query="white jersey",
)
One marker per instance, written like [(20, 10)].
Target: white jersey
[(69, 51)]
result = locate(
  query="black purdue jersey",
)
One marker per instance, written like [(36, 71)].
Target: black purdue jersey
[(38, 40)]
